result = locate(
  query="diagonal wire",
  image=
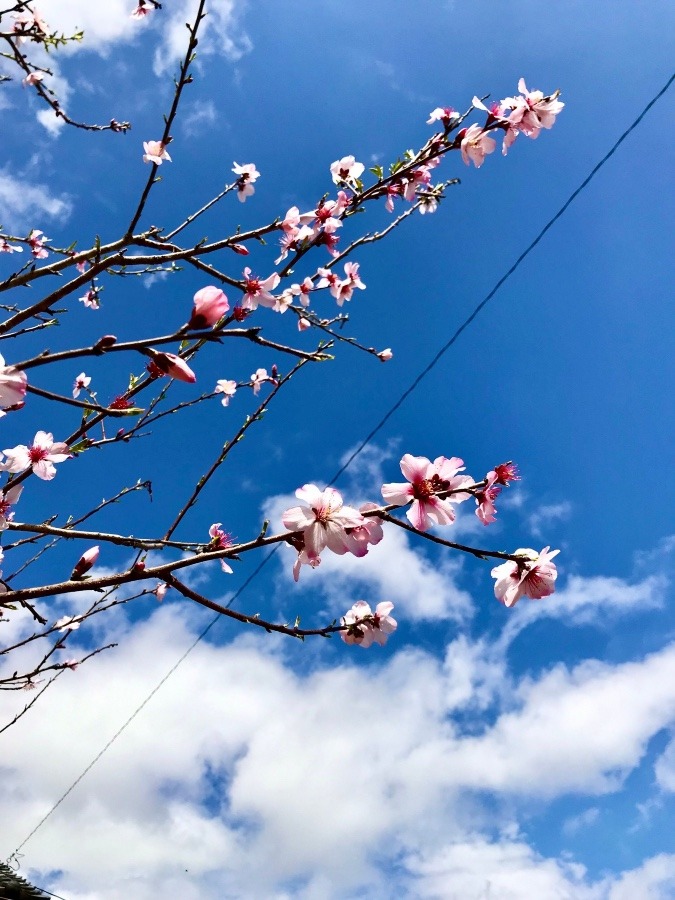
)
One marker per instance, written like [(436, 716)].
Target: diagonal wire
[(364, 443)]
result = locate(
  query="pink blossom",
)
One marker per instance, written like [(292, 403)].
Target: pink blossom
[(247, 175), (304, 324), (302, 291), (160, 591), (444, 114), (220, 540), (173, 366), (85, 562), (346, 170), (428, 203), (345, 289), (363, 627), (155, 152), (68, 623), (80, 384), (529, 113), (323, 521), (385, 355), (71, 664), (90, 299), (425, 481), (36, 239), (419, 177), (12, 385), (142, 9), (258, 291), (485, 499), (227, 389), (475, 145), (41, 456), (33, 78), (8, 498), (210, 304), (5, 247), (370, 533), (533, 577), (394, 190), (257, 379), (506, 472), (330, 280)]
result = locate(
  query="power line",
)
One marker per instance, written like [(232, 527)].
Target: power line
[(369, 437)]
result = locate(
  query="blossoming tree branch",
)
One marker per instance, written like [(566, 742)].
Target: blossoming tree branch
[(244, 292)]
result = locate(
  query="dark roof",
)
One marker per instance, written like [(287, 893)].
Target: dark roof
[(13, 887)]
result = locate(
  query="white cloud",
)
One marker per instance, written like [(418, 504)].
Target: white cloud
[(25, 205), (585, 819), (198, 117), (665, 768), (544, 516)]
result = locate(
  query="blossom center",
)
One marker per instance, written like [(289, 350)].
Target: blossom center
[(428, 487), (36, 454)]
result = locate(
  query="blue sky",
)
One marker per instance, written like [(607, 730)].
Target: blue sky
[(483, 752)]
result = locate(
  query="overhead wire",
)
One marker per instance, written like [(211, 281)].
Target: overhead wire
[(364, 443)]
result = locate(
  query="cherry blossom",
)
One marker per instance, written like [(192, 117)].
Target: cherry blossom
[(444, 114), (6, 247), (173, 366), (363, 627), (428, 203), (210, 304), (81, 383), (304, 324), (142, 9), (85, 562), (425, 481), (475, 145), (346, 170), (257, 379), (68, 623), (323, 521), (160, 591), (227, 389), (532, 577), (33, 78), (485, 499), (220, 540), (258, 291), (529, 113), (8, 498), (386, 354), (41, 456), (506, 472), (37, 239), (345, 289), (90, 299), (359, 538), (302, 291), (155, 152), (247, 175), (12, 385)]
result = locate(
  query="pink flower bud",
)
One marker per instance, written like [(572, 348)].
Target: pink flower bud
[(304, 324), (85, 562), (174, 366), (385, 355), (210, 304), (240, 249)]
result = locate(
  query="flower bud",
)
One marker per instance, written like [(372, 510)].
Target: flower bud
[(210, 304), (85, 562)]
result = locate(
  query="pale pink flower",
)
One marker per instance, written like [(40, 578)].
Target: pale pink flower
[(303, 560), (302, 291), (419, 177), (8, 498), (81, 266), (173, 366), (506, 472), (85, 562), (33, 78), (363, 627), (370, 533), (485, 499), (210, 304), (475, 145), (37, 239), (323, 521), (444, 114), (346, 170), (425, 481), (428, 203), (394, 190), (5, 247), (90, 299), (385, 355), (41, 456), (80, 384), (330, 280), (68, 623), (247, 174), (345, 289), (257, 379), (304, 324), (220, 540), (258, 291), (71, 664), (142, 9), (227, 389), (160, 591), (533, 577), (294, 219), (12, 385), (155, 152)]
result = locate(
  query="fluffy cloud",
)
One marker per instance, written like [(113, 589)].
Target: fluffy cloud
[(25, 205)]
